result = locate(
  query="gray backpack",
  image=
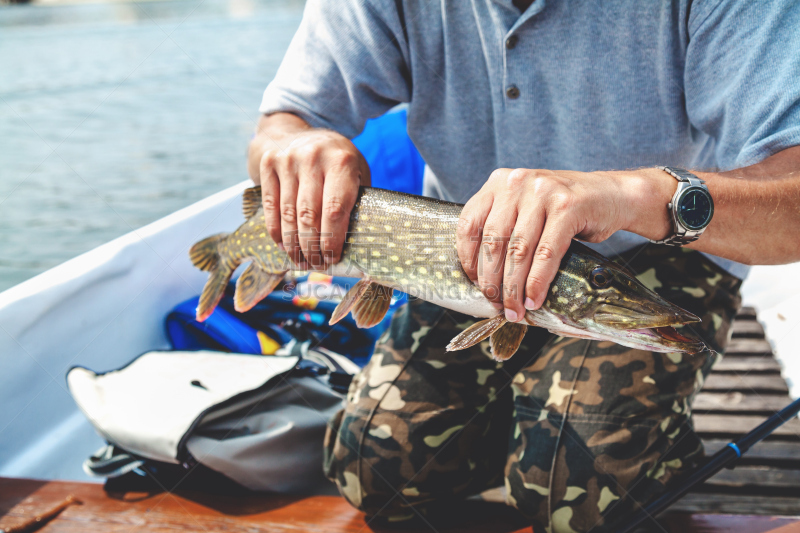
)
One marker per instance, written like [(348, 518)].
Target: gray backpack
[(258, 420)]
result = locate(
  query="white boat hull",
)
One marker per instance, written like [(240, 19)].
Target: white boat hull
[(99, 310)]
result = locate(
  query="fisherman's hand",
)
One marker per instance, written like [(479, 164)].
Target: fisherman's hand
[(514, 232), (309, 187)]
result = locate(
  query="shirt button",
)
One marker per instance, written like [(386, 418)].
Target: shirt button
[(511, 42), (512, 92)]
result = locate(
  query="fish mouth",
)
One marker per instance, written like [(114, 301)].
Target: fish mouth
[(632, 315), (650, 323), (667, 338)]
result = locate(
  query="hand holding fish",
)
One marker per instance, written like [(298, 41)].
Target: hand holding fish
[(310, 179), (514, 232)]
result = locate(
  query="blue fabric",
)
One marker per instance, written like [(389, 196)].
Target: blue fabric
[(221, 331), (228, 330), (394, 161), (602, 85)]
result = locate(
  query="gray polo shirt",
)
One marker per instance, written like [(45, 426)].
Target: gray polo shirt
[(574, 85)]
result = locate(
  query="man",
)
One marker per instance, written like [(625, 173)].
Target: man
[(581, 432)]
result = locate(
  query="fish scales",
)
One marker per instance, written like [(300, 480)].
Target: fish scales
[(406, 242), (398, 240)]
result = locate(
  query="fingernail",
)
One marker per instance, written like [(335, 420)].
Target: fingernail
[(529, 304), (497, 306), (280, 246), (511, 315)]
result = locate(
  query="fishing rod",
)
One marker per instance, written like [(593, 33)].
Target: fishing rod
[(725, 458)]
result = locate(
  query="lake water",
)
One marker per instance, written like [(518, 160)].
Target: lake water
[(114, 115)]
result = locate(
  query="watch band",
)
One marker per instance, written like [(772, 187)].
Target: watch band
[(683, 175), (681, 235)]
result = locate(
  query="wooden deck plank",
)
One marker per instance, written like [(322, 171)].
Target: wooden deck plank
[(730, 523), (707, 503), (743, 389), (747, 364), (751, 329), (748, 347), (746, 313), (780, 454), (734, 426), (758, 478), (746, 383), (168, 513), (738, 402)]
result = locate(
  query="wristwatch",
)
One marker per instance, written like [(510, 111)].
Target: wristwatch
[(691, 208)]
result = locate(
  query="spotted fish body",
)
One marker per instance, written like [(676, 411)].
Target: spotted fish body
[(408, 243)]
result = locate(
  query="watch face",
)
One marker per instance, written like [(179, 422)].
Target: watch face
[(695, 208)]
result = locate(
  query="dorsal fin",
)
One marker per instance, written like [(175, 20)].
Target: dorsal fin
[(251, 201)]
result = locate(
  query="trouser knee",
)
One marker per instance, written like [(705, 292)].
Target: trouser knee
[(370, 469)]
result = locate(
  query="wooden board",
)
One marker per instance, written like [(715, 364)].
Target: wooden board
[(734, 426), (743, 389), (749, 364), (746, 313), (744, 346), (185, 512), (747, 328), (750, 383), (738, 403), (746, 504), (781, 454)]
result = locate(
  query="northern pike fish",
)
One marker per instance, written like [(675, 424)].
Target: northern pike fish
[(408, 243)]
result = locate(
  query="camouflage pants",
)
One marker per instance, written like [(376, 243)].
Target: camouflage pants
[(580, 431)]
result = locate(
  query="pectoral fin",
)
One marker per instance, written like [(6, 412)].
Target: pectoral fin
[(213, 290), (368, 301), (476, 333), (506, 340), (253, 286), (251, 201)]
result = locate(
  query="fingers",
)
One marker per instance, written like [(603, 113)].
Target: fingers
[(469, 231), (309, 208), (555, 240), (518, 260), (287, 175), (339, 196), (492, 251), (308, 190), (270, 196)]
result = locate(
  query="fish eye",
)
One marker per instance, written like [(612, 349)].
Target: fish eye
[(600, 277)]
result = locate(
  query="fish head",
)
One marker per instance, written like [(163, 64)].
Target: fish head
[(597, 295)]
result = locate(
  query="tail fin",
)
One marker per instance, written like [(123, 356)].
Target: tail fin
[(205, 254)]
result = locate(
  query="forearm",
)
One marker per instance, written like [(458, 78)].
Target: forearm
[(275, 131), (756, 215)]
